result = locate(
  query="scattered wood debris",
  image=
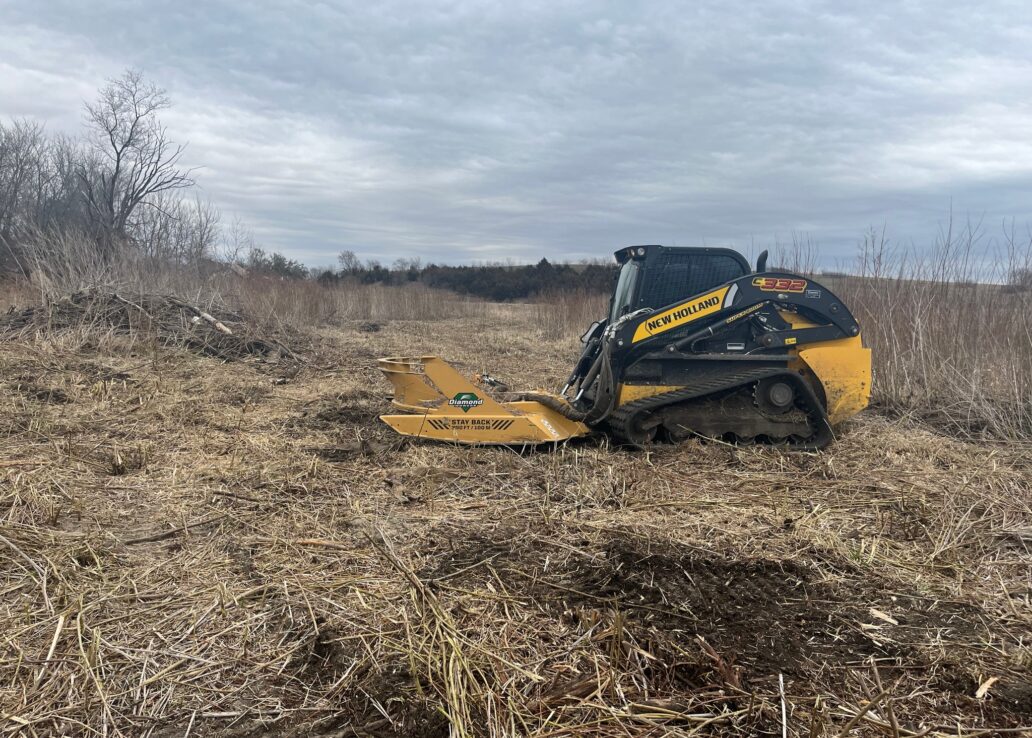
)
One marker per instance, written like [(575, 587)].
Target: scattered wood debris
[(171, 320)]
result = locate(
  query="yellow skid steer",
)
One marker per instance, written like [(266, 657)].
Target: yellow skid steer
[(695, 344)]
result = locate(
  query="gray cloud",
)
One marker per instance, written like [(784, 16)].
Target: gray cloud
[(497, 130)]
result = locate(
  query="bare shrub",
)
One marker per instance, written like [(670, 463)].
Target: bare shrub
[(949, 339), (22, 162), (62, 262), (116, 188), (38, 187), (799, 257), (177, 230), (1021, 279)]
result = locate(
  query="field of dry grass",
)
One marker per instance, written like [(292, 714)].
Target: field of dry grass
[(194, 546)]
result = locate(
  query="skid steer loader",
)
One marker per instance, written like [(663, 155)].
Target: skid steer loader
[(695, 344)]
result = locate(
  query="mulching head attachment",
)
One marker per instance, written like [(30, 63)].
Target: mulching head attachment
[(441, 404)]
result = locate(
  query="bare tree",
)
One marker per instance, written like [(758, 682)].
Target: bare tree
[(349, 263), (58, 194), (177, 231), (22, 164), (29, 183), (131, 158), (405, 265), (237, 241)]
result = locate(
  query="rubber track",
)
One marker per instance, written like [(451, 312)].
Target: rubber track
[(625, 419)]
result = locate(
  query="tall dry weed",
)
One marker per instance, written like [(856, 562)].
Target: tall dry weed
[(567, 314), (59, 264), (15, 292), (305, 304), (950, 338)]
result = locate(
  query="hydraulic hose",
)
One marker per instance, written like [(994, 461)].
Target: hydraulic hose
[(603, 401), (589, 376)]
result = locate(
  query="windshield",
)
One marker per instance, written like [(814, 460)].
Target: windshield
[(624, 291)]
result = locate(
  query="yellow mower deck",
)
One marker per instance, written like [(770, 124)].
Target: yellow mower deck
[(441, 404)]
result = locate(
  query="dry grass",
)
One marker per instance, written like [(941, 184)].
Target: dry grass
[(563, 314), (14, 292), (306, 304), (956, 352), (195, 546), (270, 301), (58, 264)]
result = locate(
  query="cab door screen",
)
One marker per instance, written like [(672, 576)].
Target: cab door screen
[(679, 276)]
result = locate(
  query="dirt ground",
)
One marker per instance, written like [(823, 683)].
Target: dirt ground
[(191, 546)]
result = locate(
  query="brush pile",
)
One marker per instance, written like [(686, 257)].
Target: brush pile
[(213, 331)]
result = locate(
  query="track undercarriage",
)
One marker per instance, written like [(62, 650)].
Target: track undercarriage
[(741, 415)]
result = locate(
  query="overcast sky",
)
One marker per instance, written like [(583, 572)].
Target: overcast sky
[(459, 131)]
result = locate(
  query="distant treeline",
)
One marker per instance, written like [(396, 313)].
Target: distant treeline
[(491, 281)]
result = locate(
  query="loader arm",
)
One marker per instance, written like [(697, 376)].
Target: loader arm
[(756, 299)]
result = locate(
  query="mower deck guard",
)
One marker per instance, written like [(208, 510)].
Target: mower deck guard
[(441, 404)]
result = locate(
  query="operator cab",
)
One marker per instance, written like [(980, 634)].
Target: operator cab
[(656, 276)]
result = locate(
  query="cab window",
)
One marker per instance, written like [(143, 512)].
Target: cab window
[(678, 276), (624, 292)]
